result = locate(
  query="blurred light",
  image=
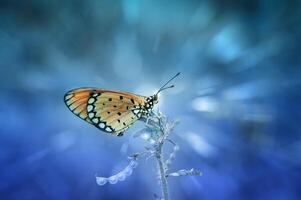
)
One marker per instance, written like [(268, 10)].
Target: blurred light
[(257, 117), (127, 62), (152, 141), (145, 136), (203, 16), (146, 89), (38, 80), (206, 91), (63, 140), (124, 148), (205, 104), (37, 156), (243, 91), (253, 56), (227, 44), (131, 10), (199, 144), (207, 85)]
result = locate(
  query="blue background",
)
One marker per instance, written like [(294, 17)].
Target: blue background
[(238, 97)]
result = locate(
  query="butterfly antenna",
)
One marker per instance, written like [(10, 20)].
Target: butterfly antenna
[(171, 86)]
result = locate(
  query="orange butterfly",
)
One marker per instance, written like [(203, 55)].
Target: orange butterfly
[(111, 111)]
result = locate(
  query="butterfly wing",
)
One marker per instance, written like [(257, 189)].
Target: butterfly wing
[(110, 111), (114, 112), (76, 101)]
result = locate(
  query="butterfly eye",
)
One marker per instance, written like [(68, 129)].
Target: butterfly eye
[(156, 98)]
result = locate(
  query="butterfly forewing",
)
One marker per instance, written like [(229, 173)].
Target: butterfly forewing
[(76, 101), (110, 111)]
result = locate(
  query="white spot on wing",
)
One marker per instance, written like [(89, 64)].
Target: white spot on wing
[(89, 108), (108, 129), (101, 125), (95, 120), (91, 115), (91, 100)]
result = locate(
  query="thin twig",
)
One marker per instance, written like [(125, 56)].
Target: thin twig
[(158, 128), (161, 168)]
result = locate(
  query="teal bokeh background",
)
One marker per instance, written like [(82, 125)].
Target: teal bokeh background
[(238, 97)]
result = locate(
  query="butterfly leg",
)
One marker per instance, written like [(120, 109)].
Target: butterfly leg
[(149, 123), (120, 134)]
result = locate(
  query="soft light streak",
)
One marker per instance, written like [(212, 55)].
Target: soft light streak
[(199, 144), (205, 104)]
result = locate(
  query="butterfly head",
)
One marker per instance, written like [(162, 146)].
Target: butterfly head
[(155, 99), (151, 101)]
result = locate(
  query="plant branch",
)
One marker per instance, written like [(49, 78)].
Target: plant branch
[(156, 131), (161, 169)]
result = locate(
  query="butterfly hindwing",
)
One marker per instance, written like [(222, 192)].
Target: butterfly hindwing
[(113, 111)]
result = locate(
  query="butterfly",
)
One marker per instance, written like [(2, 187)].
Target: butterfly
[(111, 111)]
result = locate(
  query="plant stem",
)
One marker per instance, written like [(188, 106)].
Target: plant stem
[(160, 160)]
